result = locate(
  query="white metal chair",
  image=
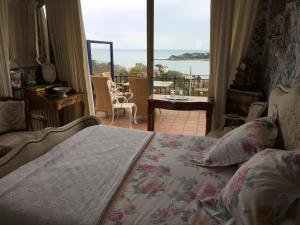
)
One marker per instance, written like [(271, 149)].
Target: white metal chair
[(119, 100)]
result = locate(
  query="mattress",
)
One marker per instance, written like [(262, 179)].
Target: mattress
[(109, 175), (164, 187)]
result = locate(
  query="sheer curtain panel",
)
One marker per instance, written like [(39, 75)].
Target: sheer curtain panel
[(232, 23), (243, 24), (221, 36), (69, 46), (5, 84)]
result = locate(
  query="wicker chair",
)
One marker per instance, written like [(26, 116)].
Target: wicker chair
[(103, 101), (108, 102), (140, 89)]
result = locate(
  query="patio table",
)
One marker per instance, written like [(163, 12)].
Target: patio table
[(191, 103)]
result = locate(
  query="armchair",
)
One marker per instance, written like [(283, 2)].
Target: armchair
[(256, 110), (15, 123)]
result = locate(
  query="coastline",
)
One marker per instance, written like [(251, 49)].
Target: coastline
[(129, 58), (166, 59)]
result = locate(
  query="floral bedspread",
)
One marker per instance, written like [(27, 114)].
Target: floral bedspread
[(166, 188)]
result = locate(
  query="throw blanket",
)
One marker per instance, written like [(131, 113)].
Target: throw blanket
[(74, 182)]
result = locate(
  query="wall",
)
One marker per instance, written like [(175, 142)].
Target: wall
[(275, 45)]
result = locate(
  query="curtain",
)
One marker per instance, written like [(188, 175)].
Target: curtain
[(232, 23), (5, 84), (220, 47), (243, 25), (69, 45)]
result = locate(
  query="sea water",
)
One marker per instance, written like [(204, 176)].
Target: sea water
[(129, 57)]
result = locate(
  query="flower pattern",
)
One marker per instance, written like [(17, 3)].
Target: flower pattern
[(166, 188), (277, 55), (263, 189), (240, 144), (249, 145)]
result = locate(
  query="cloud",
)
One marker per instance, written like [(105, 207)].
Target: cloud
[(112, 4), (178, 24)]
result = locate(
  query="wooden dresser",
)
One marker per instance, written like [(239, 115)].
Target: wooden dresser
[(44, 101), (238, 102)]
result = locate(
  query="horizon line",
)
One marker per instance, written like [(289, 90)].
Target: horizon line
[(158, 49)]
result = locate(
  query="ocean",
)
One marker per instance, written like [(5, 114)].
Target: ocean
[(129, 57)]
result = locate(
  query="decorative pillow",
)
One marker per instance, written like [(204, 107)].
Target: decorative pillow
[(242, 143), (12, 116), (263, 190)]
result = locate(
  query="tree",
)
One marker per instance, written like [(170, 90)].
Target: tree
[(138, 68), (105, 67)]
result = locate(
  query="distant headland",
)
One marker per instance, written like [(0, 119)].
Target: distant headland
[(189, 56)]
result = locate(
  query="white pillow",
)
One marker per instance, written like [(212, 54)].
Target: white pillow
[(242, 143), (264, 189)]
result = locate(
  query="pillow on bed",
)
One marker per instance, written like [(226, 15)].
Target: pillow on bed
[(12, 116), (242, 143), (264, 189)]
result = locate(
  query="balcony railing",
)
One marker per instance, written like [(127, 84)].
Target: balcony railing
[(193, 85)]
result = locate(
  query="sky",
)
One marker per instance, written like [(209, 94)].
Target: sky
[(178, 24)]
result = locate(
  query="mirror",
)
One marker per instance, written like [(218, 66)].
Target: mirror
[(28, 34), (42, 34)]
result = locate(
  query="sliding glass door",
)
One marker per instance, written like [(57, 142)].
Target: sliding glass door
[(181, 43)]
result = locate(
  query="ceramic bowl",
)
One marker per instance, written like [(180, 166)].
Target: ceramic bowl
[(61, 91)]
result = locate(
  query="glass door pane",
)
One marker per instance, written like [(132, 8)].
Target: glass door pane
[(181, 47), (100, 56)]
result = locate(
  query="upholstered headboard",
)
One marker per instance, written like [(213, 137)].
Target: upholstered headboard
[(284, 103)]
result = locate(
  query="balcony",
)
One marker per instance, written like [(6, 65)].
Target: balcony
[(185, 84), (166, 121)]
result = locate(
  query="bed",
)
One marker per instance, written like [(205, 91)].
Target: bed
[(86, 173)]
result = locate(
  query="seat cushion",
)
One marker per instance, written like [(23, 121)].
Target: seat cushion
[(10, 140), (124, 105), (4, 150)]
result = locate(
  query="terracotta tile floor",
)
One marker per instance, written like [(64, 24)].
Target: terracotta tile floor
[(166, 121)]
